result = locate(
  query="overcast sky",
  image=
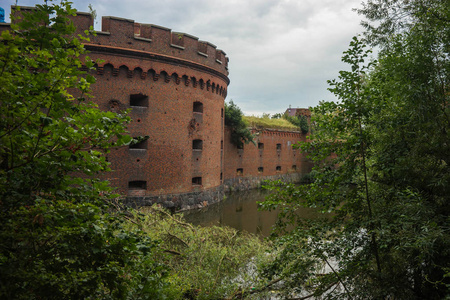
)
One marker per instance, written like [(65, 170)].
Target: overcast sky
[(282, 52)]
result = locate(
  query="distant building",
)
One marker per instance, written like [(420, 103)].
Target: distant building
[(292, 112)]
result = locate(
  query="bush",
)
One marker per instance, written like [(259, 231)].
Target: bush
[(206, 262), (240, 133), (61, 250)]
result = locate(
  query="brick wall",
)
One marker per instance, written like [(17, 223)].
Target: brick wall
[(174, 86), (167, 116), (272, 155)]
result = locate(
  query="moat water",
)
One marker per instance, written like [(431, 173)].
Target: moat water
[(240, 211)]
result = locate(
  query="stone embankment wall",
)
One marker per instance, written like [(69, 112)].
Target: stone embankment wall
[(182, 201)]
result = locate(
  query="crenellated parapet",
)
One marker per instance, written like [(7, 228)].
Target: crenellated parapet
[(125, 37), (129, 39), (277, 133)]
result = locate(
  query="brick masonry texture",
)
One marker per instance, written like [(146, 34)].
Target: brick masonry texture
[(272, 155), (174, 86), (183, 83)]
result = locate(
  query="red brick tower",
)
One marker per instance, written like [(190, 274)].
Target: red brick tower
[(175, 87)]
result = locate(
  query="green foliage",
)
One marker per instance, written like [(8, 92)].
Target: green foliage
[(277, 116), (93, 12), (266, 122), (49, 128), (385, 19), (240, 133), (278, 120), (139, 139), (381, 175), (207, 262), (58, 250), (60, 237), (299, 121)]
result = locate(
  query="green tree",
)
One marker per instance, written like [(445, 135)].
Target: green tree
[(338, 149), (299, 121), (240, 133), (277, 116), (59, 235), (381, 172), (386, 18)]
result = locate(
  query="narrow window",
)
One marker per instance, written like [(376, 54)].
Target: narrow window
[(278, 146), (221, 176), (260, 169), (278, 168), (137, 143), (221, 145), (294, 167), (239, 171), (198, 107), (221, 112), (137, 185), (139, 100), (197, 144), (260, 146), (196, 181)]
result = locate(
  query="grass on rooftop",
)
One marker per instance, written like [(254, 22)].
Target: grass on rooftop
[(267, 123)]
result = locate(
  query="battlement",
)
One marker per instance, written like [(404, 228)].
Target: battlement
[(128, 34), (146, 40)]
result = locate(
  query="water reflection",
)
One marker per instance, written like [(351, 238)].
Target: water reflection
[(240, 210)]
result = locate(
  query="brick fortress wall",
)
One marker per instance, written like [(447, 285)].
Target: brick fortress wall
[(271, 157), (174, 86)]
